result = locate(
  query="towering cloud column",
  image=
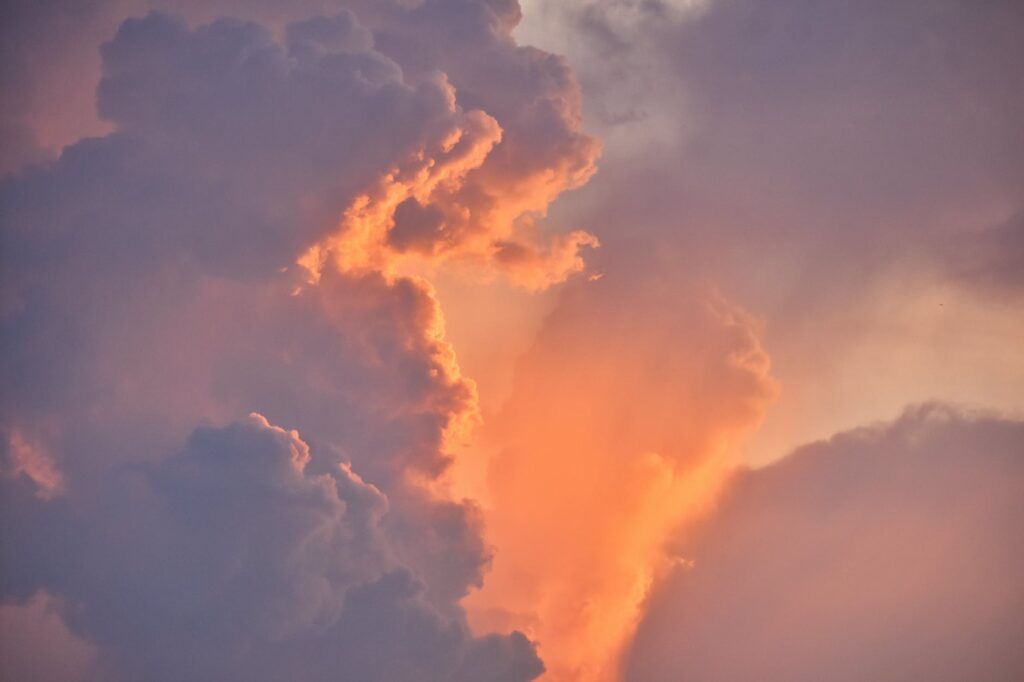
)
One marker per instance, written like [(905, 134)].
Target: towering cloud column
[(622, 423), (233, 262)]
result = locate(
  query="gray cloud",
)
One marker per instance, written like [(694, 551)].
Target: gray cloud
[(992, 259), (840, 139), (229, 559), (149, 283), (890, 552), (35, 644), (151, 296)]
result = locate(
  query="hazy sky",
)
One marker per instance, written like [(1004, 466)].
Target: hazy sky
[(459, 340)]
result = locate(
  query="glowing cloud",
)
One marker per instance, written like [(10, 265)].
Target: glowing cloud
[(235, 438), (622, 422), (151, 285)]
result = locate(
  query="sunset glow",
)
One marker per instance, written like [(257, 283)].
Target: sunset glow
[(511, 340)]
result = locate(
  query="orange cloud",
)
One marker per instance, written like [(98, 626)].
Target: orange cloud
[(31, 459), (471, 194), (622, 423), (444, 204)]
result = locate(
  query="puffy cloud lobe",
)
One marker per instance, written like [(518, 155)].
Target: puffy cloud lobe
[(338, 33), (888, 552), (370, 371), (535, 99), (249, 546), (538, 269), (229, 558), (292, 134), (363, 134), (113, 337)]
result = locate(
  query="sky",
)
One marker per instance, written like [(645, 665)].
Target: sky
[(496, 341)]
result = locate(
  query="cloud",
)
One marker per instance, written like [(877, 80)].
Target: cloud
[(502, 189), (40, 105), (623, 418), (887, 552), (851, 172), (234, 156), (229, 558), (35, 644), (231, 246), (824, 130), (423, 147), (307, 127), (989, 259)]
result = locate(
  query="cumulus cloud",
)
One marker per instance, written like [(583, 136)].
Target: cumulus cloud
[(229, 559), (887, 552), (253, 220), (421, 146), (538, 153), (243, 240)]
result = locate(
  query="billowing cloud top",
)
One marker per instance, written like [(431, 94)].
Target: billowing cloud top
[(229, 558), (235, 440), (237, 243)]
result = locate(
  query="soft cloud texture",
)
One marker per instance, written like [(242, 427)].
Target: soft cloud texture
[(230, 559), (232, 247), (533, 95), (890, 552), (35, 644), (225, 208), (623, 418), (850, 171), (150, 87)]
